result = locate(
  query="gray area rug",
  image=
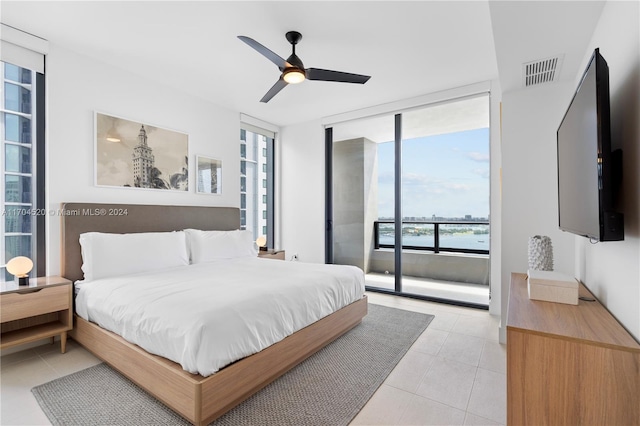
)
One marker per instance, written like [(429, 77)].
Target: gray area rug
[(329, 388)]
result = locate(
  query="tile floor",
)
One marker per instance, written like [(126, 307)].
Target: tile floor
[(454, 374)]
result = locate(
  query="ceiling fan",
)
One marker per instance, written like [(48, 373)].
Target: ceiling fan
[(293, 71)]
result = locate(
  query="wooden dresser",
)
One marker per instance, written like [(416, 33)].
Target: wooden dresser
[(569, 365)]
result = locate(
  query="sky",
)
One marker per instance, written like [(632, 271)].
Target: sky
[(444, 175)]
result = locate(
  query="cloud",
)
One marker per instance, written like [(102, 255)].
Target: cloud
[(424, 195), (480, 157), (415, 184), (484, 172)]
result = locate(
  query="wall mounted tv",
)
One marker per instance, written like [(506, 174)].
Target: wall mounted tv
[(589, 173)]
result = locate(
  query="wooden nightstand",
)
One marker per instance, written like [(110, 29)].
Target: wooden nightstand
[(42, 309), (272, 254)]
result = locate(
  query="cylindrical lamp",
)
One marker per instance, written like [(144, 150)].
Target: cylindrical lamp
[(20, 267)]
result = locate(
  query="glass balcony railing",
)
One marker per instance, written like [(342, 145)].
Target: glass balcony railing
[(435, 236)]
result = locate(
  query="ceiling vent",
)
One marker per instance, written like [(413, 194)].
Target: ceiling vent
[(541, 71)]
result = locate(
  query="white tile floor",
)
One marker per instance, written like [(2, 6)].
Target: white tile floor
[(454, 374)]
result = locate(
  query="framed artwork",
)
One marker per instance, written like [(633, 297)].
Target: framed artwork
[(209, 175), (132, 154)]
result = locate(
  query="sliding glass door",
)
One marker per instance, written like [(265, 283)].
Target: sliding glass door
[(445, 201), (408, 200)]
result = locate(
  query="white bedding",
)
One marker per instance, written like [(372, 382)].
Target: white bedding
[(209, 315)]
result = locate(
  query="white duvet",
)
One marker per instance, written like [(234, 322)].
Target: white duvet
[(209, 315)]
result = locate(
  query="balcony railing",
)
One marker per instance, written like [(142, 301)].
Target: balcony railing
[(435, 236)]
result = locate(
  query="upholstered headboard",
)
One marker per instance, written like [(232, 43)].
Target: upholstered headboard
[(130, 218)]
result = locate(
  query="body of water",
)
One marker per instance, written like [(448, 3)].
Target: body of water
[(462, 241)]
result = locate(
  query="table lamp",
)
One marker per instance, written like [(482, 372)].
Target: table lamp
[(20, 267), (261, 242)]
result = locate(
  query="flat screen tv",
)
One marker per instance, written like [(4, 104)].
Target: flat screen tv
[(588, 171)]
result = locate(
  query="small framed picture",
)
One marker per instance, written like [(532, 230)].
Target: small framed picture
[(209, 176)]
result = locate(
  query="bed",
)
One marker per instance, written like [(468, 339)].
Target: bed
[(197, 398)]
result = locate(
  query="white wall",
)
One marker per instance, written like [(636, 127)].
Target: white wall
[(302, 191), (612, 270), (76, 87), (530, 119)]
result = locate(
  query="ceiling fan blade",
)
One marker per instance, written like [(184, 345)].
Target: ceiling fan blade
[(280, 84), (273, 57), (342, 77)]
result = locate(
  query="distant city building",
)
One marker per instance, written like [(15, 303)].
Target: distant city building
[(253, 188), (17, 169), (434, 218), (143, 161)]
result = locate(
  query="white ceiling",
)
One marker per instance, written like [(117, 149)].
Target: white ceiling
[(409, 48), (533, 30), (447, 117)]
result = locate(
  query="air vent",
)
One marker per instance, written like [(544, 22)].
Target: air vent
[(541, 71)]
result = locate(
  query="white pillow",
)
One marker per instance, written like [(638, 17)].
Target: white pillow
[(110, 255), (208, 246)]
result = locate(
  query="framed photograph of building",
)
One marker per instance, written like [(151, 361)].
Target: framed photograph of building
[(209, 179), (132, 154)]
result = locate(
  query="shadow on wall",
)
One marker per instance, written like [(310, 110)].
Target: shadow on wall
[(625, 134)]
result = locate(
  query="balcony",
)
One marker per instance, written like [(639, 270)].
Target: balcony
[(440, 259)]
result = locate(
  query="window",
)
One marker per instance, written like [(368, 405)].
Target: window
[(256, 181), (22, 166), (445, 168), (424, 174)]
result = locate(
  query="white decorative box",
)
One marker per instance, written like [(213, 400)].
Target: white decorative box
[(552, 286)]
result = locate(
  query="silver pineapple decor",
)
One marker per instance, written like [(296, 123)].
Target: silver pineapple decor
[(540, 253)]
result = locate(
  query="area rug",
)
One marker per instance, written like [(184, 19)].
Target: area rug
[(329, 388)]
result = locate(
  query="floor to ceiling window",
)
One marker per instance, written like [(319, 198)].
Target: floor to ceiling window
[(257, 181), (410, 201), (22, 166)]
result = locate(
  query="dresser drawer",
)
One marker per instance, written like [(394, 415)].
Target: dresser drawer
[(22, 305)]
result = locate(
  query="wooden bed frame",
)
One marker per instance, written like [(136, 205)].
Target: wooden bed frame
[(198, 399)]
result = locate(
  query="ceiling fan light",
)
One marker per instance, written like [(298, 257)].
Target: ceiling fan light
[(293, 76)]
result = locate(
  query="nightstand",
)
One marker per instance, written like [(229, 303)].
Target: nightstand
[(42, 309), (271, 254)]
